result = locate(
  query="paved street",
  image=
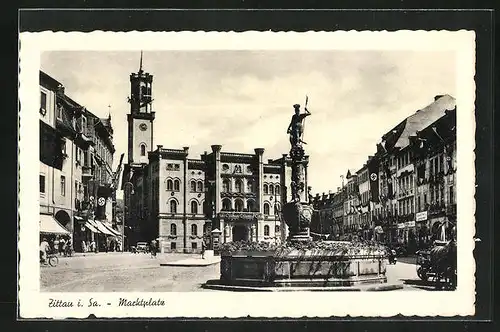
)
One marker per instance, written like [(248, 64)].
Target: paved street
[(117, 272)]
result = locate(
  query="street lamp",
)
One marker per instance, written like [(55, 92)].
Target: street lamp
[(127, 210)]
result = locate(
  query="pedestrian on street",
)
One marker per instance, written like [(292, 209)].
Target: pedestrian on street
[(44, 249), (153, 249), (203, 247), (84, 247), (93, 247), (62, 246), (56, 245)]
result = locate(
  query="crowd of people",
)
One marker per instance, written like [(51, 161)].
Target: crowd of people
[(57, 245)]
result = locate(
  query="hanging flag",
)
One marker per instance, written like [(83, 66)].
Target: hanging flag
[(373, 168), (449, 161), (389, 181)]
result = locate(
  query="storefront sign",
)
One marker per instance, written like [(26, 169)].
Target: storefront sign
[(421, 216), (401, 225), (410, 224)]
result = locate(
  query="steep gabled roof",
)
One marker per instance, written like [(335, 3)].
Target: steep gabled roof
[(424, 118)]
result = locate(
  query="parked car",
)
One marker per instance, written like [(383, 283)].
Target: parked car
[(142, 247)]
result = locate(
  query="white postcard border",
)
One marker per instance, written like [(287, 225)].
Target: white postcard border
[(34, 304)]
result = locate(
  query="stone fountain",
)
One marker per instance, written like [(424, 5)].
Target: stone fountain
[(301, 263)]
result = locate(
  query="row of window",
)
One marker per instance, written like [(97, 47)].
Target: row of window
[(194, 230), (194, 206), (238, 186), (272, 189), (62, 185)]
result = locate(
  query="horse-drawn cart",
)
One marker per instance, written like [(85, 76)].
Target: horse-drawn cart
[(439, 264)]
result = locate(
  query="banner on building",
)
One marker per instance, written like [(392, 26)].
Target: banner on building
[(389, 181), (373, 169), (103, 193)]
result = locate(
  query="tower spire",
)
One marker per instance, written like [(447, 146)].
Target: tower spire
[(140, 64)]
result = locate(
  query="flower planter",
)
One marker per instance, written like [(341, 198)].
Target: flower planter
[(307, 268)]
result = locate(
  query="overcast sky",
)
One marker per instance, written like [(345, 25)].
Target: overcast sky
[(243, 99)]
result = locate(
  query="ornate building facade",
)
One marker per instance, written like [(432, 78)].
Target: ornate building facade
[(76, 155), (406, 192), (181, 201)]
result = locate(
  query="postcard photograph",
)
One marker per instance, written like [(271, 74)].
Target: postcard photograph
[(181, 170)]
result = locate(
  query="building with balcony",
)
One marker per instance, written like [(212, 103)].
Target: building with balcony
[(76, 154)]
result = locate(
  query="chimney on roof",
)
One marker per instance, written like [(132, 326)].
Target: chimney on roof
[(60, 89), (437, 97), (338, 189), (269, 161), (159, 147), (330, 192)]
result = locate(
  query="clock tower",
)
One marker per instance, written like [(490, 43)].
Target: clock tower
[(141, 117)]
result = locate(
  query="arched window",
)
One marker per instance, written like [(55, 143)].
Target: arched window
[(226, 204), (277, 189), (173, 206), (173, 229), (250, 205), (250, 187), (143, 149), (238, 204), (239, 186), (170, 185), (200, 186), (225, 186), (271, 189), (276, 209), (177, 185), (194, 207), (193, 186), (266, 189), (194, 230), (266, 209), (266, 230)]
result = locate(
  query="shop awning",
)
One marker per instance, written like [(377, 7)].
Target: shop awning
[(92, 228), (103, 229), (49, 225), (112, 230)]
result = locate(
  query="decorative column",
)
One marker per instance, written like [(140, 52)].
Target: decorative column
[(217, 183)]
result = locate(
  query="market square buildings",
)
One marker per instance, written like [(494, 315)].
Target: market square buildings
[(182, 201)]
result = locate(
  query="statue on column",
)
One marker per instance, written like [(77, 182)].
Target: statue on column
[(296, 126)]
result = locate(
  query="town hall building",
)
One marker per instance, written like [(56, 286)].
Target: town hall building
[(182, 201)]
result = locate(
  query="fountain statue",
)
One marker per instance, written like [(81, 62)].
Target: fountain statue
[(300, 261), (298, 212)]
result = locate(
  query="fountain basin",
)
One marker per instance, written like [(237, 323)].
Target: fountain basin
[(309, 268)]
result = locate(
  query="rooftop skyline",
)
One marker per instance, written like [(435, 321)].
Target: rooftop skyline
[(244, 99)]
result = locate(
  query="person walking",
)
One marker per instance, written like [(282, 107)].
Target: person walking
[(203, 248), (84, 247), (153, 249), (44, 250), (93, 247), (62, 246)]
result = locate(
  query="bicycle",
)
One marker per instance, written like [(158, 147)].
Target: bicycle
[(51, 260)]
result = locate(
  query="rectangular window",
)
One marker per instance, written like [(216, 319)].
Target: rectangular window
[(43, 100), (451, 195), (418, 203), (194, 245), (63, 147), (173, 245), (63, 185), (42, 184)]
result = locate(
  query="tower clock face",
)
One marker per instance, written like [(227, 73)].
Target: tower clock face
[(143, 126)]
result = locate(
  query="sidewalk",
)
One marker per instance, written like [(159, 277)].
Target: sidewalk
[(193, 261)]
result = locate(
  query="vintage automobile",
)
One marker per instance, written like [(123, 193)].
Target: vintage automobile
[(142, 247), (438, 263)]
